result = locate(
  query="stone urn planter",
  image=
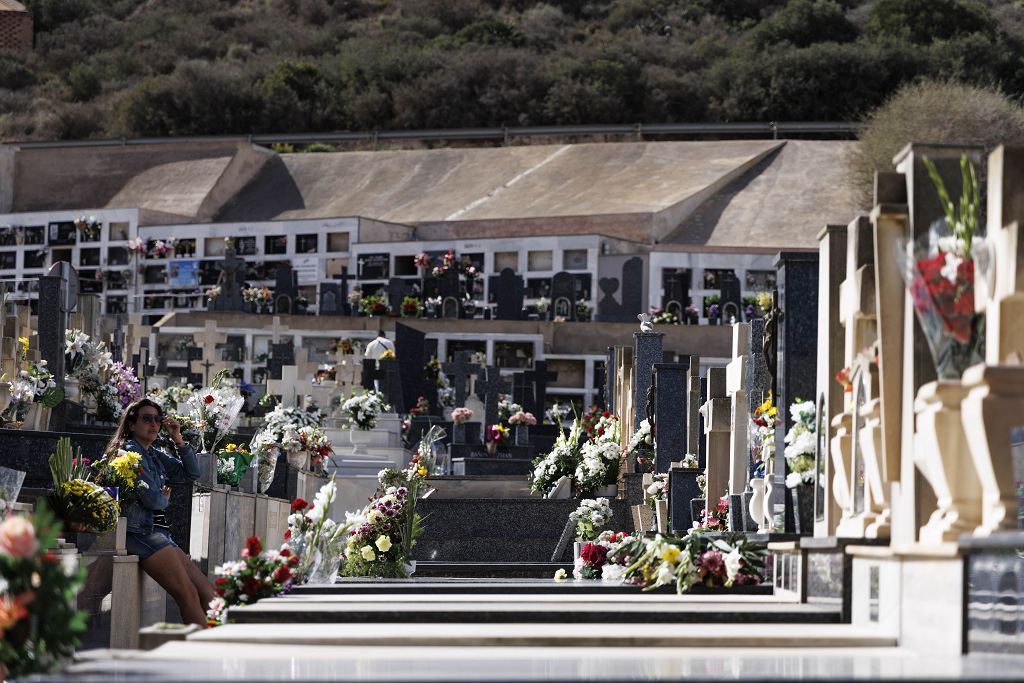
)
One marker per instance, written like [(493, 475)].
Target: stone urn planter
[(299, 459), (359, 438)]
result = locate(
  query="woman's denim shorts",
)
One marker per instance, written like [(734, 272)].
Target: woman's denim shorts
[(144, 545)]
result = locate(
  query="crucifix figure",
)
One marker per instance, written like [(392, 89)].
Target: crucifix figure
[(461, 369), (489, 391)]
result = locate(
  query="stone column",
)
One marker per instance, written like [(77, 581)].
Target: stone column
[(670, 391), (693, 402), (648, 351), (717, 423), (797, 284), (739, 450)]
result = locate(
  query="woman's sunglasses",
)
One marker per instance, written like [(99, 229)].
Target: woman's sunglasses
[(150, 419)]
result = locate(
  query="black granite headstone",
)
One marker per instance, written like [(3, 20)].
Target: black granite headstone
[(396, 292), (281, 354), (508, 292), (608, 309), (731, 302), (540, 376), (230, 280), (331, 299), (286, 289), (489, 391), (409, 348), (563, 296), (670, 413)]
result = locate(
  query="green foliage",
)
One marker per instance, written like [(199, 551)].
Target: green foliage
[(923, 21), (194, 67), (935, 112)]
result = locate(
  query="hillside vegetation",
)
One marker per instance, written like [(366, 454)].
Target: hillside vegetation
[(180, 67)]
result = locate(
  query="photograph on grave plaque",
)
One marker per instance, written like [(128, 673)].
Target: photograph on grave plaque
[(184, 273)]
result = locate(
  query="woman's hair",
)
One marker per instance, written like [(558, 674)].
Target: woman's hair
[(124, 427)]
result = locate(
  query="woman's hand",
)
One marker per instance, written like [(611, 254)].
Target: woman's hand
[(173, 428)]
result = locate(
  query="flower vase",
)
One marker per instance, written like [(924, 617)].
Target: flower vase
[(72, 391), (522, 435), (492, 448), (409, 567), (757, 502), (769, 518), (577, 549), (298, 459), (359, 438), (459, 433), (324, 570), (661, 510)]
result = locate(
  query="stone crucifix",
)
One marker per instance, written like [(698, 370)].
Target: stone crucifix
[(489, 391), (461, 369)]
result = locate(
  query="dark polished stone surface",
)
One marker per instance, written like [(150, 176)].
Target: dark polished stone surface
[(485, 465), (425, 584), (682, 488), (670, 413), (995, 594), (29, 451), (496, 530), (647, 352)]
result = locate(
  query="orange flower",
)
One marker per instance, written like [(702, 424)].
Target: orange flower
[(13, 610)]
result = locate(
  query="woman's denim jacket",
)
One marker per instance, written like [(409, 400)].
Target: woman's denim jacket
[(157, 467)]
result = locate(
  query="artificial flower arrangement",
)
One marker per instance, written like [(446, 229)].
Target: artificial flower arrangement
[(507, 408), (163, 248), (34, 385), (600, 457), (88, 227), (521, 419), (411, 307), (641, 446), (560, 461), (447, 263), (85, 360), (123, 472), (214, 409), (590, 518), (422, 407), (260, 296), (279, 435), (232, 462), (662, 317), (364, 408), (462, 415), (384, 533), (81, 503), (258, 574), (373, 305), (940, 271), (801, 440), (314, 441), (39, 625), (422, 260), (656, 490), (496, 437), (761, 436), (213, 292), (121, 389)]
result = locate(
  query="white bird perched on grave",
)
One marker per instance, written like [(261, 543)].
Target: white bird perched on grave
[(645, 322)]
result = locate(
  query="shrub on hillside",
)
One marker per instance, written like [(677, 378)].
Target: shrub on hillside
[(937, 112)]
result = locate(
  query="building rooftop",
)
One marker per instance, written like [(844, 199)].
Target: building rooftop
[(11, 6)]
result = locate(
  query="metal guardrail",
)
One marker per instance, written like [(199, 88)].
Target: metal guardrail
[(769, 129)]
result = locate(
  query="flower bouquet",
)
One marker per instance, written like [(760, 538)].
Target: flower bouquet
[(801, 440), (422, 407), (412, 307), (39, 625), (34, 385), (88, 228), (279, 435), (232, 463), (939, 271), (214, 410), (560, 461), (84, 505), (496, 437), (656, 490), (716, 520), (383, 535), (598, 464), (590, 517), (594, 561), (507, 408), (692, 561), (364, 408), (761, 437), (123, 472), (315, 538), (373, 305), (84, 360), (521, 419), (641, 446), (313, 440), (461, 415), (259, 574)]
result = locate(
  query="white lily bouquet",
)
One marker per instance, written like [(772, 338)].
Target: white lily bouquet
[(279, 434), (364, 408), (560, 461)]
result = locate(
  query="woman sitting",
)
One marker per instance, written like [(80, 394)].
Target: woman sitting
[(158, 554)]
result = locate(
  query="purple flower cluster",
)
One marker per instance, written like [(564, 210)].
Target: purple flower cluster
[(125, 383), (382, 513)]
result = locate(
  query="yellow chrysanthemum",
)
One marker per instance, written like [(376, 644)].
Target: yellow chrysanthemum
[(422, 471), (124, 465)]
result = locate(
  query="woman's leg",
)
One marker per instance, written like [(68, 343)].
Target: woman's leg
[(166, 569), (198, 579)]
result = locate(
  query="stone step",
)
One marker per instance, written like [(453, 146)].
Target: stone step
[(636, 607), (610, 634)]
